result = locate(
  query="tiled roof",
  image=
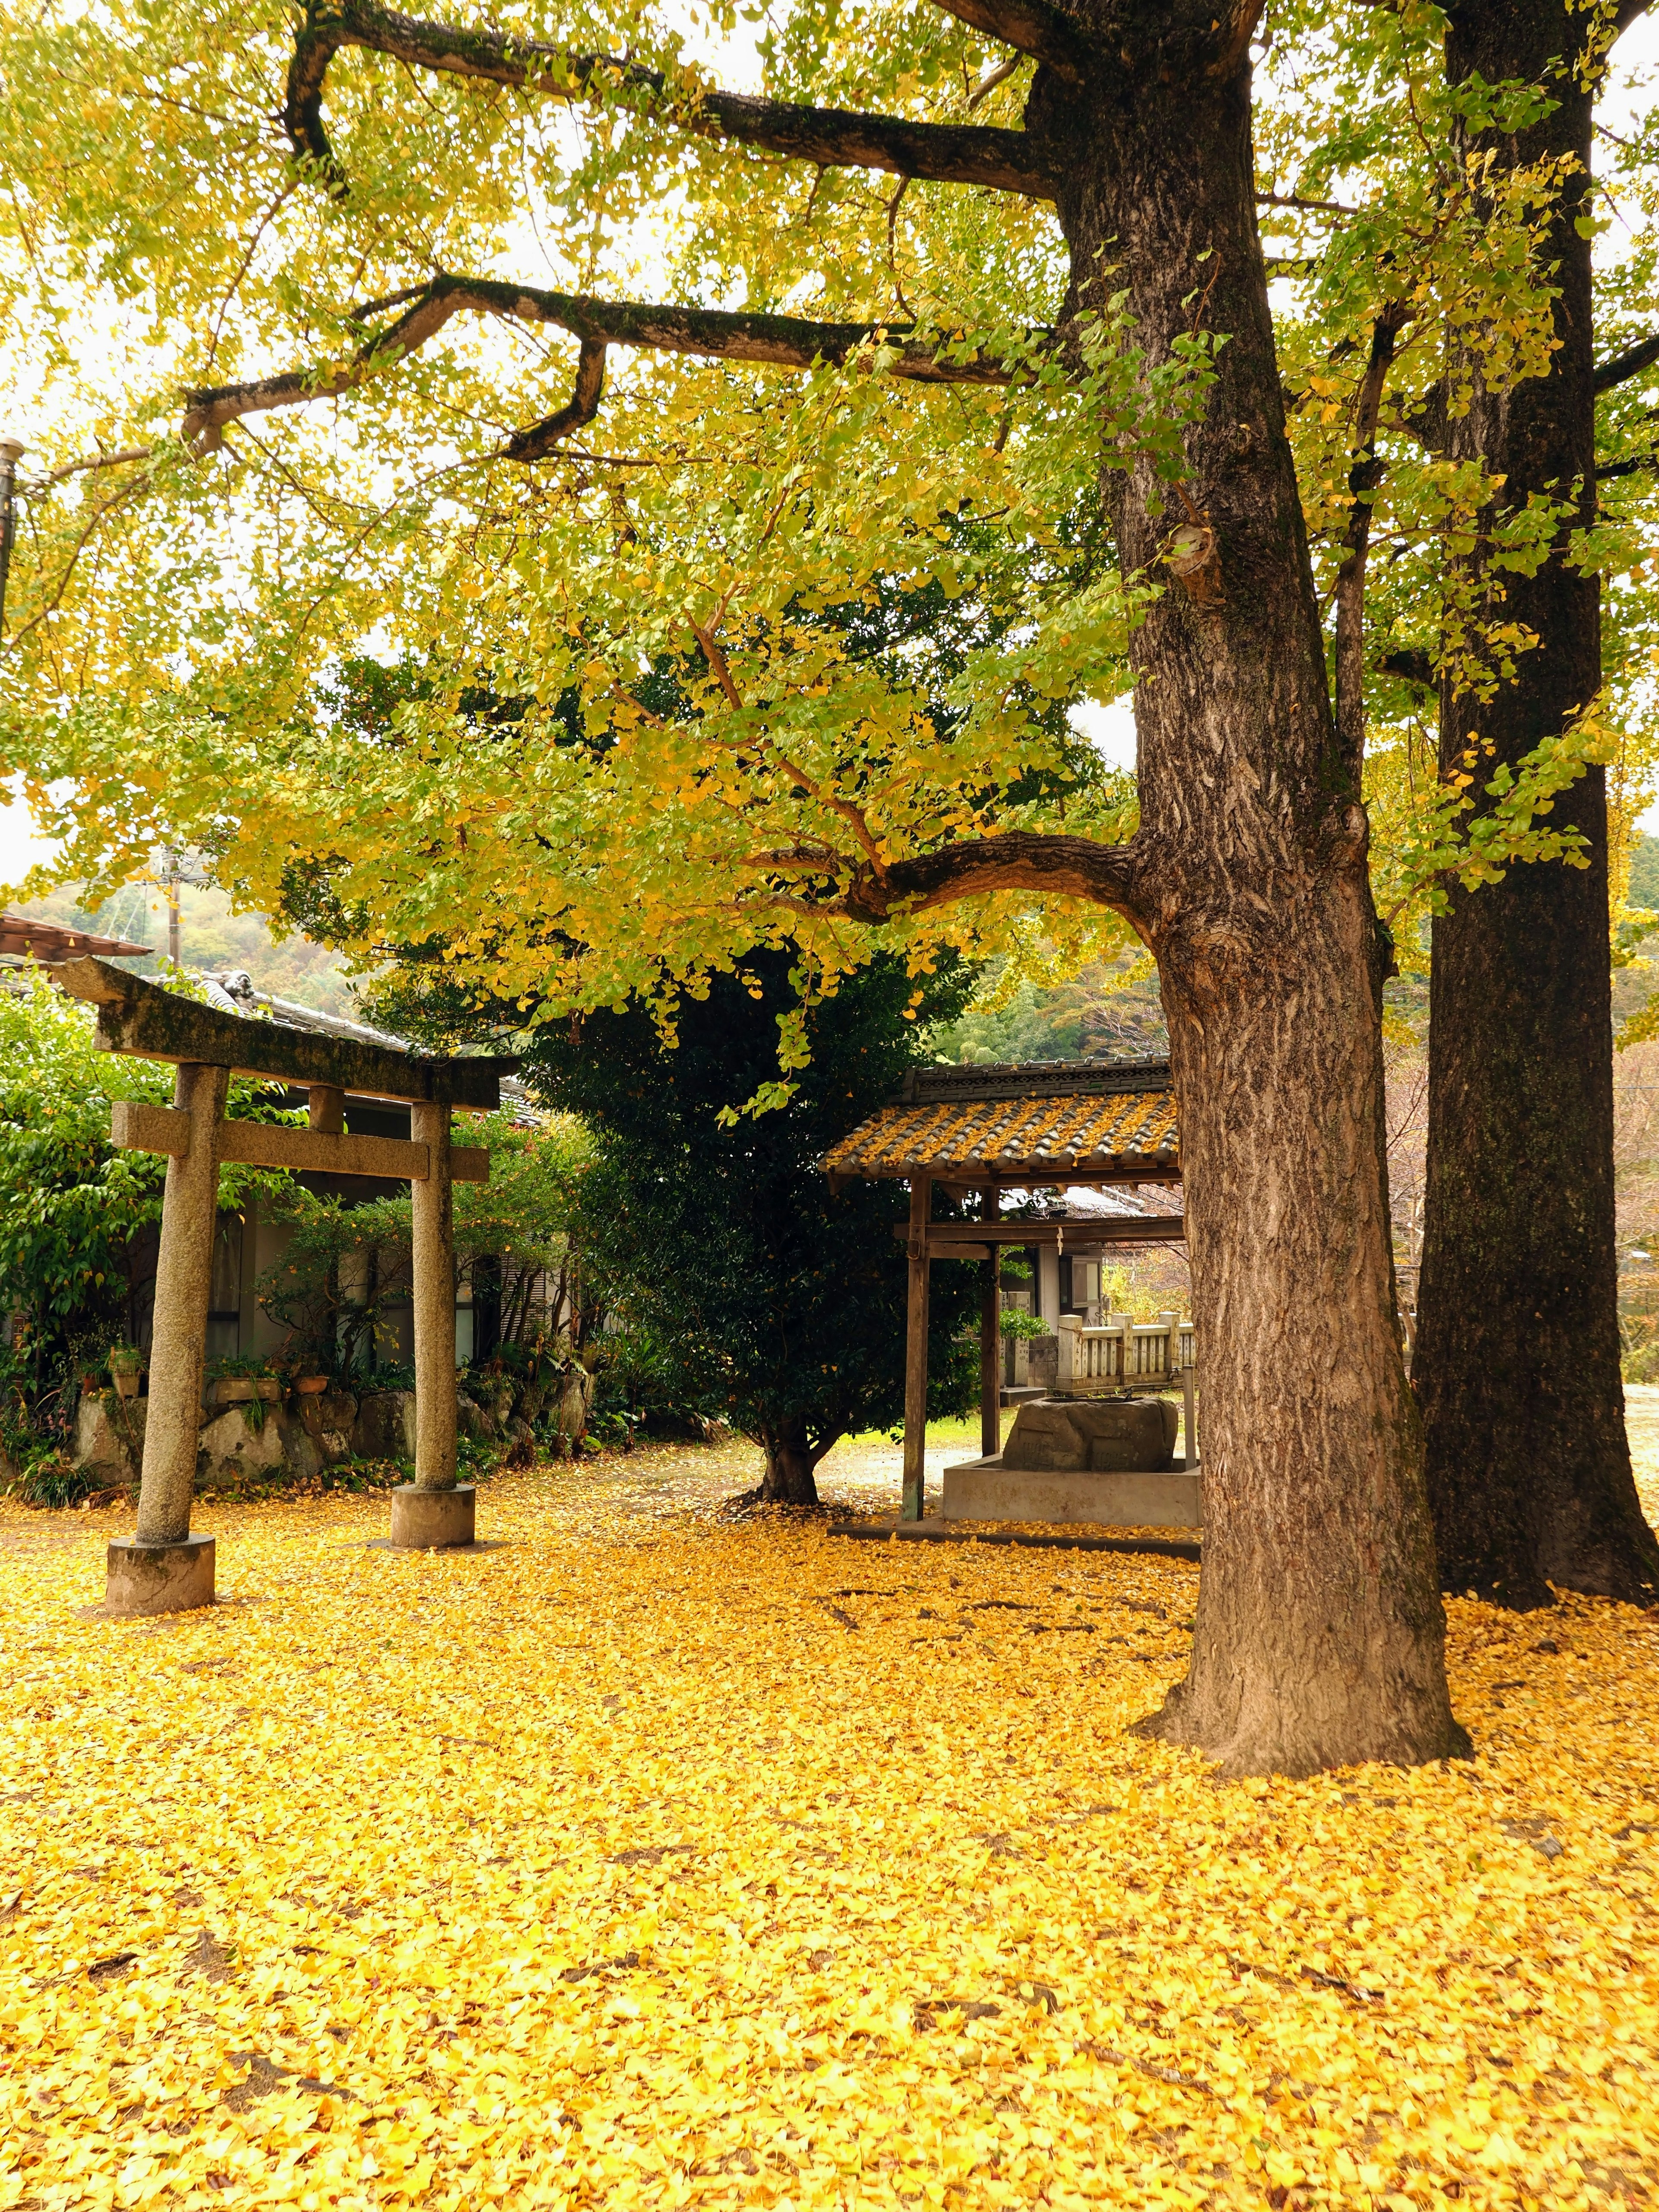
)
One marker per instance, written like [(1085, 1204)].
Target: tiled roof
[(22, 935), (1078, 1119)]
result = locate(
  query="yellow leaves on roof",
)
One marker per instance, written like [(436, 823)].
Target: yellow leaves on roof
[(610, 1867), (1137, 1129)]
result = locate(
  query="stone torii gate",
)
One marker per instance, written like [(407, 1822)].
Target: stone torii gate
[(162, 1567)]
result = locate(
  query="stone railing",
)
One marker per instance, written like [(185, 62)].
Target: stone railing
[(1123, 1354)]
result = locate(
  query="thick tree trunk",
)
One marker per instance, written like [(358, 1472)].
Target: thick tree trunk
[(1320, 1633), (790, 1464), (1516, 1361)]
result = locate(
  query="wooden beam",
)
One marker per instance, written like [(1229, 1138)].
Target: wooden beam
[(945, 1237), (139, 1018), (436, 1409), (139, 1129), (965, 1177)]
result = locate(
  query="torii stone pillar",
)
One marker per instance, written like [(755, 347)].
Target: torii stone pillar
[(433, 1509), (163, 1568)]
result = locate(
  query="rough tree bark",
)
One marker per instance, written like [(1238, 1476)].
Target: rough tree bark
[(791, 1465), (1320, 1632), (1516, 1361), (1319, 1635)]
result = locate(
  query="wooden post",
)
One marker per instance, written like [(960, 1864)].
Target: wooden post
[(990, 1339), (163, 1568), (915, 1353), (433, 1512)]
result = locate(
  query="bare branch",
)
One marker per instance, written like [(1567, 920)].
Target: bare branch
[(1624, 366), (535, 445), (76, 468), (1364, 477), (991, 78), (1295, 200), (1018, 860), (784, 341), (963, 154), (1034, 28)]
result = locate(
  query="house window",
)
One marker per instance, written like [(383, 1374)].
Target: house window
[(1079, 1284)]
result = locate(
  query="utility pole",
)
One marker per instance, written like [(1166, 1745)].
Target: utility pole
[(174, 872), (12, 452), (170, 889)]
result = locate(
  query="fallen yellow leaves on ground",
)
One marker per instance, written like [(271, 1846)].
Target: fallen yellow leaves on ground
[(646, 1857)]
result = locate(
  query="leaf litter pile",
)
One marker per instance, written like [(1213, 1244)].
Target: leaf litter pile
[(644, 1857)]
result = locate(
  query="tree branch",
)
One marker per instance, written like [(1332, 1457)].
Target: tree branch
[(1034, 28), (833, 137), (1624, 366), (67, 469), (1018, 860), (1608, 470), (784, 341), (714, 655), (535, 444), (1364, 477)]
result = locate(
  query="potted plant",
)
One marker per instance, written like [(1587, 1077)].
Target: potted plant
[(240, 1381), (310, 1386), (126, 1364)]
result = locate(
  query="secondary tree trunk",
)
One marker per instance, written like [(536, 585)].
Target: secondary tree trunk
[(790, 1463), (1320, 1632), (1517, 1363)]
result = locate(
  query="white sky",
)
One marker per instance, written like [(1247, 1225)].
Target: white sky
[(1110, 728)]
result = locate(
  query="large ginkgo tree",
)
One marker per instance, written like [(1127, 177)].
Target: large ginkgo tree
[(348, 337)]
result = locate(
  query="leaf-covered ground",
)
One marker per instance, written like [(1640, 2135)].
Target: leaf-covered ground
[(648, 1857)]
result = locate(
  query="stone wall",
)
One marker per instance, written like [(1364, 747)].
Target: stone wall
[(296, 1440)]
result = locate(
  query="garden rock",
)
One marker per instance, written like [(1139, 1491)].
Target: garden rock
[(325, 1423), (230, 1449), (110, 1444), (301, 1451), (385, 1424)]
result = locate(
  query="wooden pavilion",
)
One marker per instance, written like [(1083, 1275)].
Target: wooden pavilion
[(979, 1131)]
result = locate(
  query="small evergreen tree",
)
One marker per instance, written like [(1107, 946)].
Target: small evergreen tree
[(766, 1299)]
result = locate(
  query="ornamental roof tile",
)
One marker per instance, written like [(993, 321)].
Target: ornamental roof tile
[(1078, 1121)]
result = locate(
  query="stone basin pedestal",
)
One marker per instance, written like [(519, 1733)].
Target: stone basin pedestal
[(1108, 1462)]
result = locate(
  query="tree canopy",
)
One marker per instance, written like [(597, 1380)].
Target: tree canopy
[(382, 376)]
